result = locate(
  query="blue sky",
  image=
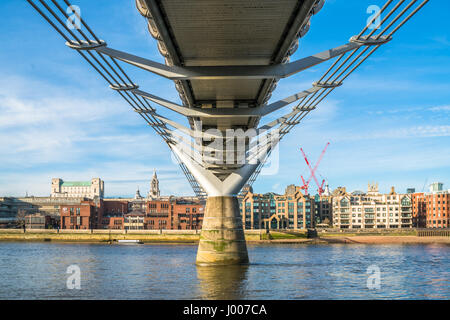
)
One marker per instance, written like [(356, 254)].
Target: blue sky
[(389, 122)]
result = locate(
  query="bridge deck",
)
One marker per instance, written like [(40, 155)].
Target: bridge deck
[(232, 32)]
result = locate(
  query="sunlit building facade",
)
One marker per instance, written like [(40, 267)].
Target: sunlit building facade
[(77, 189), (419, 209), (293, 210), (372, 210), (437, 206), (256, 208)]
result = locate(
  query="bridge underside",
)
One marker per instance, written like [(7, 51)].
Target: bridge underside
[(226, 33), (225, 58)]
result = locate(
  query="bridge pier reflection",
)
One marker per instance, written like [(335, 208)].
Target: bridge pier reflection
[(223, 282)]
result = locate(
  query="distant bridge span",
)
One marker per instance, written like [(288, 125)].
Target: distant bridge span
[(225, 58)]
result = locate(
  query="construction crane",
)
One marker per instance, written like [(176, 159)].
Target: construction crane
[(424, 185), (305, 185), (313, 172)]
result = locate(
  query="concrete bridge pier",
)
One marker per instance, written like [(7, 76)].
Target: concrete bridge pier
[(222, 240)]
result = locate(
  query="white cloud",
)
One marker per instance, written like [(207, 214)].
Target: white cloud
[(374, 84), (442, 40), (398, 133), (76, 138), (64, 128), (444, 108)]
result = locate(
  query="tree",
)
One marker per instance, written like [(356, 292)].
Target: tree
[(20, 218)]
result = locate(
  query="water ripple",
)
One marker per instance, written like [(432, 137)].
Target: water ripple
[(337, 271)]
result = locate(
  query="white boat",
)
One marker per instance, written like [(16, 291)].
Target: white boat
[(130, 241)]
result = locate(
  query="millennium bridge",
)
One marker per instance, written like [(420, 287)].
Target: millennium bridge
[(225, 59)]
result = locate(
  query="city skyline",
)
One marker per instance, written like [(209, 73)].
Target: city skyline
[(312, 190), (60, 120)]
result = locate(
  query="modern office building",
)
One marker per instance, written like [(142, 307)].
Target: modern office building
[(256, 208), (324, 208), (38, 221), (411, 190), (12, 209), (436, 187), (293, 210)]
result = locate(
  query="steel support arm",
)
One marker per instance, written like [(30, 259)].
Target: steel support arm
[(265, 110), (194, 134), (229, 72), (225, 112)]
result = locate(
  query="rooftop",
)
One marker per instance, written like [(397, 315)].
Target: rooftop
[(76, 184)]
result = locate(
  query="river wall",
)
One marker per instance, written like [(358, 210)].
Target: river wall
[(101, 235)]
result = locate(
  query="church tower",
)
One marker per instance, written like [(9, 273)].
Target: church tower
[(154, 186), (138, 194)]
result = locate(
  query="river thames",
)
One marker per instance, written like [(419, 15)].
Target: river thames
[(298, 271)]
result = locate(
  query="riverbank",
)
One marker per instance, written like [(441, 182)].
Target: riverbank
[(373, 239), (387, 239), (97, 236), (111, 236), (193, 236)]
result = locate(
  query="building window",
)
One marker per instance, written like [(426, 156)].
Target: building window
[(344, 202)]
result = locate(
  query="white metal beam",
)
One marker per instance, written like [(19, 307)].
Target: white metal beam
[(213, 185), (226, 112), (230, 72)]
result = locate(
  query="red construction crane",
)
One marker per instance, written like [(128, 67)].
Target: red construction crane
[(313, 172), (305, 185)]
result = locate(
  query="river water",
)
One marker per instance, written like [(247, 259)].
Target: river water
[(297, 271)]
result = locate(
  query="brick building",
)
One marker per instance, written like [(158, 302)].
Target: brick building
[(187, 215), (437, 206), (86, 215), (140, 213), (115, 207), (115, 223), (113, 213), (174, 214), (419, 210), (159, 214), (431, 209)]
